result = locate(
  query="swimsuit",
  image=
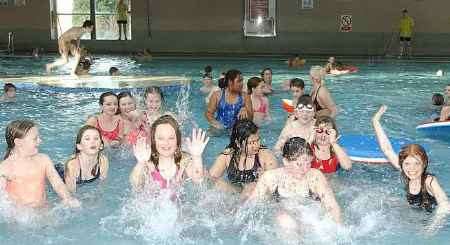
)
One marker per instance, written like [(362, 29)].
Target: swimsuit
[(241, 177), (134, 134), (227, 114), (418, 200), (330, 165), (316, 102), (108, 135), (262, 107), (81, 181)]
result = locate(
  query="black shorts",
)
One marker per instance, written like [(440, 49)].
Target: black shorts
[(405, 39), (122, 22)]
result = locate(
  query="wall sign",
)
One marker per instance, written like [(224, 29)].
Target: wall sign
[(345, 23), (307, 4)]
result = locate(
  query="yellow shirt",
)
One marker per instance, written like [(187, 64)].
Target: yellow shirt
[(406, 26), (122, 10)]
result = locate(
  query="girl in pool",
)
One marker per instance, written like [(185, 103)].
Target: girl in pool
[(260, 103), (297, 179), (422, 188), (266, 76), (87, 163), (162, 164), (154, 100), (328, 154), (244, 159), (24, 171), (300, 124), (108, 122), (208, 87), (133, 127)]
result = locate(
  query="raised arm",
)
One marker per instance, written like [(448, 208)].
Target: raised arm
[(142, 152), (104, 167), (57, 183), (318, 185), (383, 140), (196, 145), (344, 160)]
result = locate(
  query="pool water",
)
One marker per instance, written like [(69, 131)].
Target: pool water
[(372, 198)]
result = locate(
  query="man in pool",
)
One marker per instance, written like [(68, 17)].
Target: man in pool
[(69, 44), (9, 95), (406, 29)]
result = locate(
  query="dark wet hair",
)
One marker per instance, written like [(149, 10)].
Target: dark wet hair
[(295, 147), (85, 64), (80, 136), (104, 95), (297, 82), (154, 90), (88, 23), (419, 152), (253, 83), (165, 119), (112, 70), (208, 69), (242, 129), (16, 130), (304, 100), (230, 76), (121, 95), (222, 83), (8, 86), (437, 99), (266, 69)]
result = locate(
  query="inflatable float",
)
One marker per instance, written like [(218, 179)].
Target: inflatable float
[(287, 105), (436, 130), (365, 148), (344, 70)]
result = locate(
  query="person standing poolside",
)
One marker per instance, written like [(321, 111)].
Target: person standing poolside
[(122, 18), (244, 159), (87, 163), (321, 97), (24, 171), (229, 104), (406, 27), (69, 44), (9, 95)]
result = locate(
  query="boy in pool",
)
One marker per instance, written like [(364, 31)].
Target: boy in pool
[(69, 44), (9, 95), (24, 171)]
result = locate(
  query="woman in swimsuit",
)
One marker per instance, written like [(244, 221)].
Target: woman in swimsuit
[(24, 171), (328, 154), (322, 100), (133, 126), (297, 179), (300, 124), (87, 163), (108, 122), (260, 103), (422, 188), (162, 165), (244, 159), (229, 104)]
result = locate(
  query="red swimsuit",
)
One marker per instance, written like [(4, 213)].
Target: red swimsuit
[(326, 166), (109, 135)]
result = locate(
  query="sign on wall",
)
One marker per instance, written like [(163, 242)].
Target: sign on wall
[(345, 23), (307, 4)]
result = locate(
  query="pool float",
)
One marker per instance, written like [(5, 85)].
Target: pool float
[(287, 105), (365, 148), (344, 70), (437, 130)]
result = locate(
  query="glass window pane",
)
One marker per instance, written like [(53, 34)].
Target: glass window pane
[(105, 6), (107, 28), (260, 18)]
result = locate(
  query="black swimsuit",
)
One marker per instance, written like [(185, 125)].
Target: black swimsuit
[(241, 177), (97, 175), (417, 200), (316, 102)]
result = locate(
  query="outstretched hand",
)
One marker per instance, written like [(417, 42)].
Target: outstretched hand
[(142, 150), (379, 113), (196, 144)]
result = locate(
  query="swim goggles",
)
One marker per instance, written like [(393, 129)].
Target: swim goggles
[(322, 130), (303, 107)]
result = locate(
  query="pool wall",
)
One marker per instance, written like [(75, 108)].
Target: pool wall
[(213, 26)]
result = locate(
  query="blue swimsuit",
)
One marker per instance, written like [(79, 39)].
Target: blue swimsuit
[(227, 114)]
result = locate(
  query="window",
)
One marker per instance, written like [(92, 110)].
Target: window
[(65, 14), (11, 3), (260, 18)]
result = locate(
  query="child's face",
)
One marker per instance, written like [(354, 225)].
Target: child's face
[(11, 93), (297, 92)]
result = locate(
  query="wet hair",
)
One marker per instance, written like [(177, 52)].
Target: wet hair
[(222, 83), (80, 136), (88, 23), (437, 99), (104, 95), (165, 119), (264, 70), (326, 120), (230, 76), (242, 129), (112, 70), (253, 83), (154, 90), (85, 64), (419, 152), (121, 95), (295, 147), (304, 100), (297, 82), (208, 69), (17, 129), (8, 86), (317, 72)]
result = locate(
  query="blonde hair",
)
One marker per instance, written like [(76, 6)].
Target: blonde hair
[(317, 72)]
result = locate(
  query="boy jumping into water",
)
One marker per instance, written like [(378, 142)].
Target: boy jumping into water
[(69, 44)]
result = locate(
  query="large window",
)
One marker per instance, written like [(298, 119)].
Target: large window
[(260, 18), (68, 13)]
